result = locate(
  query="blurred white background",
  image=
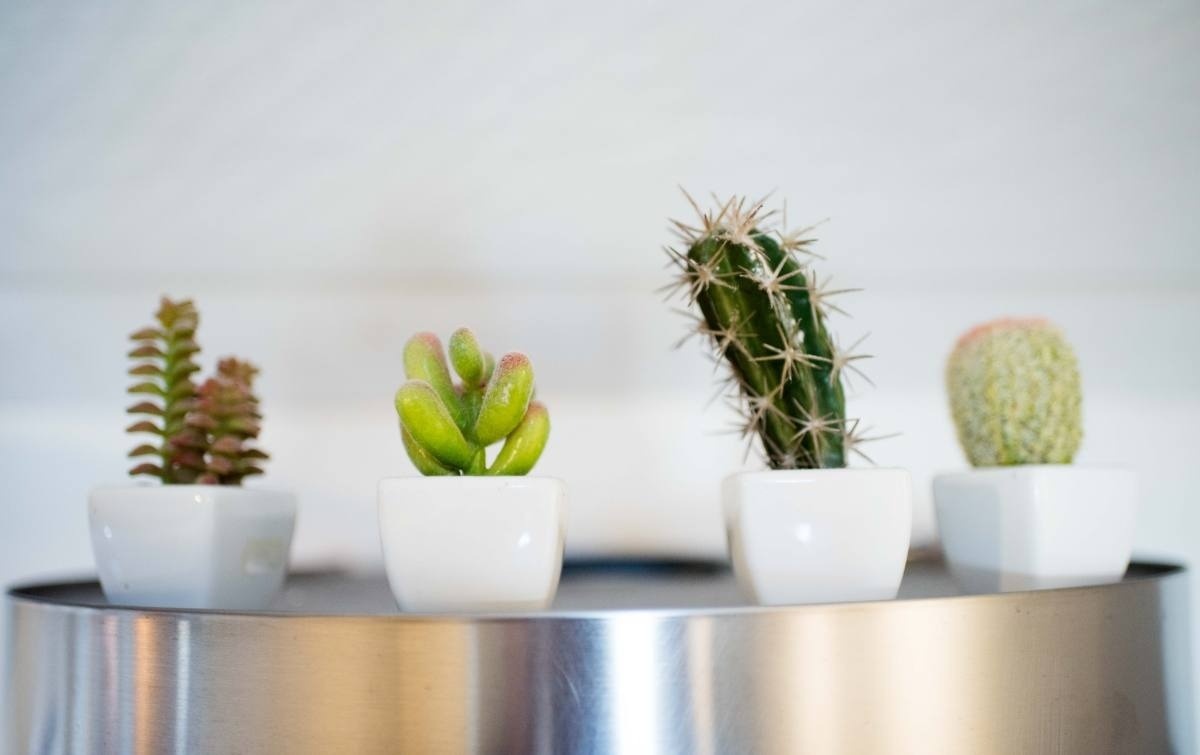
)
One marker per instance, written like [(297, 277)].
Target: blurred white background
[(327, 178)]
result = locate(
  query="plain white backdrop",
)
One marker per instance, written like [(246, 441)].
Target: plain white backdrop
[(327, 178)]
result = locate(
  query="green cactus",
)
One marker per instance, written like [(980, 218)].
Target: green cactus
[(446, 428), (763, 309), (1015, 394)]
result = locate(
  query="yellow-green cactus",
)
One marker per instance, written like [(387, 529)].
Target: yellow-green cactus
[(446, 428), (1015, 394)]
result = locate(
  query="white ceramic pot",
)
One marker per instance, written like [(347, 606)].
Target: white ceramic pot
[(472, 543), (191, 546), (1037, 526), (818, 535)]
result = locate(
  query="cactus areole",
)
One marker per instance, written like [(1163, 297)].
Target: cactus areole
[(447, 428), (763, 311), (1015, 394)]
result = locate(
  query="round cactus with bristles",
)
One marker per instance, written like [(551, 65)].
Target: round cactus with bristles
[(1015, 394), (763, 310), (446, 428)]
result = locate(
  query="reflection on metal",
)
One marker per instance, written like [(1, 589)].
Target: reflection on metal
[(674, 663)]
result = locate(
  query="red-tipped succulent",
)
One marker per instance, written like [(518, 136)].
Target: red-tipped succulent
[(205, 433), (447, 428), (226, 413)]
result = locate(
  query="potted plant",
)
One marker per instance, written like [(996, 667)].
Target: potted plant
[(808, 529), (199, 539), (470, 534), (1025, 517)]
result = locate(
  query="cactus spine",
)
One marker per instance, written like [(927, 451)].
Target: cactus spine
[(446, 428), (763, 311), (1015, 394)]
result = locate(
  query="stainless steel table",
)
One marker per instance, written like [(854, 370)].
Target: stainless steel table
[(636, 658)]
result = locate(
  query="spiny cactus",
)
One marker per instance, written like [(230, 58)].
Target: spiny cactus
[(446, 428), (1015, 394), (203, 433), (763, 310)]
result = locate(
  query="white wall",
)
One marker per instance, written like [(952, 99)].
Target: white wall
[(326, 178)]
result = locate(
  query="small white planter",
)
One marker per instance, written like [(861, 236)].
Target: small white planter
[(819, 535), (472, 543), (1037, 526), (191, 546)]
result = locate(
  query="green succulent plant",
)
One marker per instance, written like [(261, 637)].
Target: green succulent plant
[(1015, 394), (204, 433), (763, 310), (446, 428)]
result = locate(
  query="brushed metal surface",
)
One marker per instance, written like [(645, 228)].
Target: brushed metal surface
[(674, 663)]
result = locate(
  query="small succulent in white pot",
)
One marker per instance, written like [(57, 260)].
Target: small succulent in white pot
[(1026, 517), (808, 529), (199, 539), (471, 534)]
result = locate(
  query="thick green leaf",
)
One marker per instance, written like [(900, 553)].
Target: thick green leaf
[(425, 416), (467, 357), (425, 361), (424, 461), (505, 400), (524, 445)]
